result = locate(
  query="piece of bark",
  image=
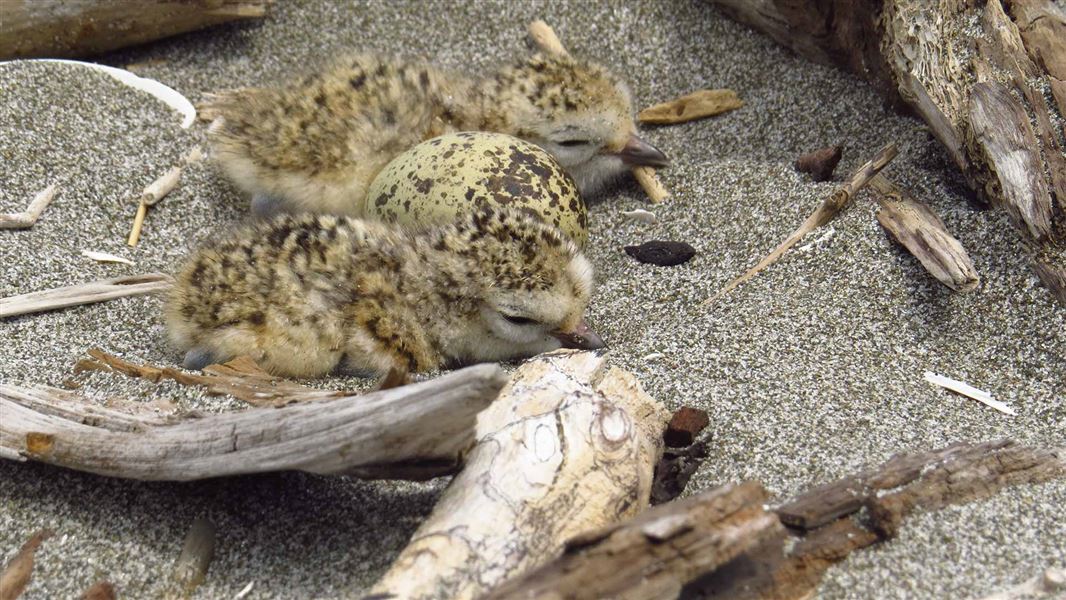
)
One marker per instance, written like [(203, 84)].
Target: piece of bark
[(918, 229), (414, 432), (820, 163), (28, 218), (697, 105), (653, 555), (240, 378), (18, 571), (1053, 277), (684, 426), (190, 570), (827, 525), (101, 590), (675, 469), (568, 447), (662, 253), (68, 28), (829, 208), (971, 89), (84, 293)]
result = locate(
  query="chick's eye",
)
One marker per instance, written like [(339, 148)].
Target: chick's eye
[(572, 143), (518, 320)]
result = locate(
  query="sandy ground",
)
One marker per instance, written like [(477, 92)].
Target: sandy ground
[(810, 371)]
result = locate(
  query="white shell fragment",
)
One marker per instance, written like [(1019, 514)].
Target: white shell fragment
[(644, 216), (166, 94), (969, 391), (105, 257)]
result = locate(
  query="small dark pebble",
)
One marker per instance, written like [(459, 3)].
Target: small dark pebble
[(820, 163), (664, 254), (684, 426)]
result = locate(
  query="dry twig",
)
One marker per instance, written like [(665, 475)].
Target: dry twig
[(545, 39), (195, 558), (17, 573), (240, 378), (151, 195), (84, 293), (28, 217), (697, 105), (825, 213)]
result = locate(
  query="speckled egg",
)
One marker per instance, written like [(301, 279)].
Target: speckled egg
[(439, 178)]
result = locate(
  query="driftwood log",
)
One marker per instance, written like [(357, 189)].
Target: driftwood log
[(657, 554), (413, 432), (568, 447), (988, 77), (69, 28)]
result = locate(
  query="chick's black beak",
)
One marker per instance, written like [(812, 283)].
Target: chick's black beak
[(637, 152), (581, 338)]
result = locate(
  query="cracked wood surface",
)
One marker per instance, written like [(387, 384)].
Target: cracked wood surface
[(568, 447), (412, 432)]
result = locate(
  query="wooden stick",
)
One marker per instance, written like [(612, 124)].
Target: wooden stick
[(568, 447), (825, 213), (240, 378), (152, 194), (191, 568), (696, 105), (16, 574), (28, 218), (918, 229), (655, 554), (544, 37), (414, 432), (85, 293), (1052, 276)]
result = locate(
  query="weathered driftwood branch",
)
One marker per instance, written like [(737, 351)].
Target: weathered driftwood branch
[(83, 293), (28, 218), (543, 36), (983, 93), (830, 521), (829, 208), (149, 197), (417, 431), (17, 572), (655, 554), (1053, 276), (918, 229), (568, 447), (67, 28), (697, 105)]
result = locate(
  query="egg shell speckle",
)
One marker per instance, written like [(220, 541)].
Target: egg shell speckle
[(439, 178)]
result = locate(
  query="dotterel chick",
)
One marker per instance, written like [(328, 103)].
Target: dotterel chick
[(306, 294), (316, 144)]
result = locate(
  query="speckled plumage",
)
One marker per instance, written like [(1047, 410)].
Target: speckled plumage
[(316, 144), (305, 294)]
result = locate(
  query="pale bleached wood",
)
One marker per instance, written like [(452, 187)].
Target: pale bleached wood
[(67, 28), (568, 447), (84, 293), (28, 218), (654, 555), (416, 431), (918, 229)]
